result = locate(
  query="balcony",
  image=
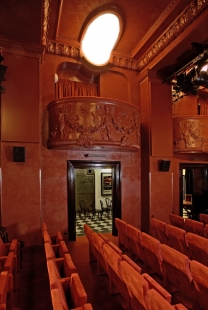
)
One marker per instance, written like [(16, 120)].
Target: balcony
[(93, 123), (190, 134)]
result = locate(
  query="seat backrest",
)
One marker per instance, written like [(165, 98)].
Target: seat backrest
[(194, 227), (200, 275), (108, 202), (98, 243), (112, 258), (46, 237), (78, 294), (157, 302), (198, 248), (135, 244), (122, 235), (68, 266), (62, 249), (4, 281), (177, 221), (158, 230), (177, 239), (132, 263), (156, 286), (206, 230), (3, 249), (152, 254), (176, 271), (82, 204), (137, 286), (203, 218)]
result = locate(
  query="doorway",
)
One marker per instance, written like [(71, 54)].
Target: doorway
[(193, 190), (116, 191)]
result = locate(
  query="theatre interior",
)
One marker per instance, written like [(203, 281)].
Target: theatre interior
[(104, 122)]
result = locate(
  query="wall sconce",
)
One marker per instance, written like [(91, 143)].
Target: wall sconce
[(94, 155)]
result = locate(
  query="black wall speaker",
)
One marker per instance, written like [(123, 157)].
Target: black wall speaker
[(19, 153), (164, 165)]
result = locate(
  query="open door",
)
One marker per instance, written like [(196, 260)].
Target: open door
[(116, 191), (193, 190)]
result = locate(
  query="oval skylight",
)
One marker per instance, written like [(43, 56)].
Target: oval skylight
[(100, 38)]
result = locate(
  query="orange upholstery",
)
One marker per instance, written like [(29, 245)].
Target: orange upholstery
[(135, 243), (123, 240), (130, 262), (177, 221), (203, 218), (70, 286), (56, 250), (98, 243), (177, 274), (206, 230), (4, 285), (157, 302), (116, 284), (180, 307), (52, 239), (154, 285), (152, 254), (200, 275), (177, 239), (13, 246), (158, 230), (198, 248), (194, 227), (137, 286), (88, 232)]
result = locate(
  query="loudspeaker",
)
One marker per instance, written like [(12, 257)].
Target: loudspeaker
[(164, 165), (19, 153)]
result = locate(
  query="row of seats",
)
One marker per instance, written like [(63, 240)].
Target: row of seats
[(188, 243), (9, 267), (136, 290), (67, 291), (189, 225), (185, 279)]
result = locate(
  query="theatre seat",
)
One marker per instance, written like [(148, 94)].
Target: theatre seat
[(88, 233), (177, 221), (194, 227), (152, 255), (52, 239), (157, 302), (203, 218), (152, 284), (200, 278), (177, 239), (116, 284), (158, 230), (56, 250), (123, 241), (135, 243), (177, 276), (98, 243), (198, 248), (137, 287)]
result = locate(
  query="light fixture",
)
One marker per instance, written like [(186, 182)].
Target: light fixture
[(100, 37)]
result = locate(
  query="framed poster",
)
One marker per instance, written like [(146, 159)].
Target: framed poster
[(106, 184)]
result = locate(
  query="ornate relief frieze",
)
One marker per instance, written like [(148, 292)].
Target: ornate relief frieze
[(190, 134), (46, 11), (92, 122), (179, 25), (62, 49), (125, 63)]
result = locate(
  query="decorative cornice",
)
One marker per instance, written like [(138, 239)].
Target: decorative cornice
[(26, 48), (62, 49), (179, 25), (46, 10)]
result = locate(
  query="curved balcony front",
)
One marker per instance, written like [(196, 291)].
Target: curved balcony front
[(190, 134), (93, 123)]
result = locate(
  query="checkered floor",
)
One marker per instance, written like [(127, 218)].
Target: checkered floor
[(103, 224)]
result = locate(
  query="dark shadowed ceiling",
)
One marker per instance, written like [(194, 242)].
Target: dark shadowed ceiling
[(144, 23)]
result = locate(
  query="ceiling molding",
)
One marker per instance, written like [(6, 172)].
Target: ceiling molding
[(177, 27), (24, 48)]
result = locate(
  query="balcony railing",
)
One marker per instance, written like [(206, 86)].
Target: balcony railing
[(190, 134), (93, 123)]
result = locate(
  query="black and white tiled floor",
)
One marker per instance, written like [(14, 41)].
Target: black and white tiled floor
[(102, 225)]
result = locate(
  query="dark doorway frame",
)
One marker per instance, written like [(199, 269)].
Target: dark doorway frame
[(187, 166), (116, 193)]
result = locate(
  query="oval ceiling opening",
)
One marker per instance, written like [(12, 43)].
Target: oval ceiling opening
[(100, 37)]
